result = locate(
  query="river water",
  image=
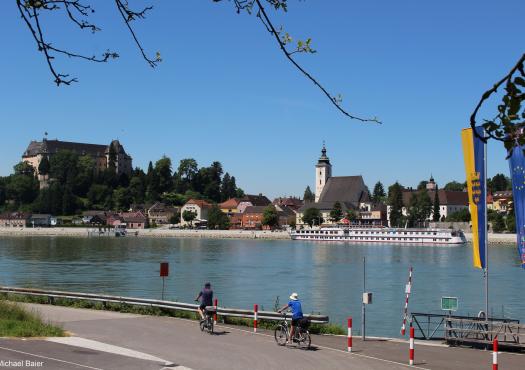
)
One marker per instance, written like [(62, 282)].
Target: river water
[(327, 276)]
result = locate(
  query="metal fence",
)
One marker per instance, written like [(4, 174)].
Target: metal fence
[(176, 306)]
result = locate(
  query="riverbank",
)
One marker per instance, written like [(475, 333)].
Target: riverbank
[(153, 233), (494, 239)]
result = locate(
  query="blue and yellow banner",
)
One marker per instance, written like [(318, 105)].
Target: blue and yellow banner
[(474, 155), (517, 173)]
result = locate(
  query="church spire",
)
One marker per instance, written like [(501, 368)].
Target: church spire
[(323, 158)]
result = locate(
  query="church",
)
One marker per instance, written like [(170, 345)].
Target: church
[(350, 191)]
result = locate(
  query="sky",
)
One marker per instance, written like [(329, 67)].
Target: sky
[(224, 91)]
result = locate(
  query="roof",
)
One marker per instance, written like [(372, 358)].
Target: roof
[(133, 216), (161, 207), (347, 189), (288, 202), (326, 206), (502, 194), (199, 202), (230, 203), (15, 216), (446, 197), (53, 146), (41, 215), (254, 209), (257, 200), (94, 213)]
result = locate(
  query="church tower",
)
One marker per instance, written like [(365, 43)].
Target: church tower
[(323, 171)]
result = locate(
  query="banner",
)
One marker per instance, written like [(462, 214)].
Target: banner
[(474, 156), (517, 173)]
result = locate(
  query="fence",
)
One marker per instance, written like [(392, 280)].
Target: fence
[(178, 306)]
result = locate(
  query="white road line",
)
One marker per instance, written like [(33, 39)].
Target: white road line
[(104, 347), (334, 349), (50, 358)]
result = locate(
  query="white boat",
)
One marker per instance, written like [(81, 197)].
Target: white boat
[(380, 235)]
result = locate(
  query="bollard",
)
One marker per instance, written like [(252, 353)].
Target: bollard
[(411, 351), (215, 303), (255, 309), (349, 334), (495, 354)]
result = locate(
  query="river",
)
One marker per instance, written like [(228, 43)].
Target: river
[(327, 276)]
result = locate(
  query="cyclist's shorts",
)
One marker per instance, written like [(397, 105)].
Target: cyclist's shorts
[(202, 306)]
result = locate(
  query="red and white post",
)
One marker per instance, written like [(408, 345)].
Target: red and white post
[(255, 310), (349, 334), (411, 350), (408, 289), (495, 354), (215, 303)]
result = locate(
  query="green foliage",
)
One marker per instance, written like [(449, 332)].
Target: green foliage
[(498, 223), (15, 321), (351, 215), (217, 219), (379, 192), (436, 215), (510, 222), (395, 201), (270, 217), (308, 195), (336, 214), (163, 173), (312, 216), (459, 216), (419, 208), (455, 186), (189, 216), (499, 182), (422, 185), (122, 198), (44, 166)]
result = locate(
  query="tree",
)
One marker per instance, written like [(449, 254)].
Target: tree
[(455, 186), (336, 213), (435, 209), (189, 216), (163, 172), (351, 215), (44, 166), (499, 182), (22, 186), (78, 12), (422, 185), (498, 224), (312, 216), (510, 222), (308, 195), (395, 201), (379, 192), (270, 217), (122, 198), (459, 216), (217, 219)]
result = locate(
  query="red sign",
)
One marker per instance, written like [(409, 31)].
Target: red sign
[(164, 269)]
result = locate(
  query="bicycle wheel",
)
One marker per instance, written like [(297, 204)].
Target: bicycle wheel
[(304, 339), (281, 335), (203, 325), (210, 326)]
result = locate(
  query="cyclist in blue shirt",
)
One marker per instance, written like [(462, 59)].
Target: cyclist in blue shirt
[(297, 312), (206, 297)]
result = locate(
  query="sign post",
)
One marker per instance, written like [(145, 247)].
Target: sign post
[(164, 272)]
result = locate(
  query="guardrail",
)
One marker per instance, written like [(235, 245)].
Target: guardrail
[(178, 306)]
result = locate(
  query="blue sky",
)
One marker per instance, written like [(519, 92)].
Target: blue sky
[(225, 92)]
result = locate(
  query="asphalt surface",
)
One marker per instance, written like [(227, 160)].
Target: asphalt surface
[(180, 342)]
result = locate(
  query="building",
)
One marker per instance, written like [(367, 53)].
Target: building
[(161, 214), (36, 150), (230, 206), (350, 191), (14, 219), (252, 217), (199, 207), (40, 220), (134, 220), (500, 201), (253, 201), (290, 202)]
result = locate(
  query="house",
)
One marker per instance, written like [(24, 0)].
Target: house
[(290, 202), (94, 217), (500, 201), (253, 200), (197, 206), (236, 221), (287, 215), (161, 214), (114, 220), (252, 217), (40, 220), (230, 206), (14, 219), (134, 220)]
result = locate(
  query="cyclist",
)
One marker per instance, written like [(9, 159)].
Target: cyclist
[(206, 297), (297, 313)]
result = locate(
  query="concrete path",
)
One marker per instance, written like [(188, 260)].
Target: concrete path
[(181, 343)]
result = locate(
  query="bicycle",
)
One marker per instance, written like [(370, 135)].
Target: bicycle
[(301, 334), (207, 323)]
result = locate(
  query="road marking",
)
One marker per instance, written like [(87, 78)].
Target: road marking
[(335, 349), (50, 358), (104, 347)]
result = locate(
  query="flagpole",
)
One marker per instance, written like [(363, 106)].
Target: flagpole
[(486, 234)]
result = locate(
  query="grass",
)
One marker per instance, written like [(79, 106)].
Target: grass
[(15, 321), (157, 311)]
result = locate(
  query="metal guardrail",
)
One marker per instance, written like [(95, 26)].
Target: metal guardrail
[(178, 306)]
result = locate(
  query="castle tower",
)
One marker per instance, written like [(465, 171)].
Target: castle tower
[(431, 184), (323, 171)]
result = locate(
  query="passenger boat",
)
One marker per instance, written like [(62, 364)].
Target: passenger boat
[(381, 235)]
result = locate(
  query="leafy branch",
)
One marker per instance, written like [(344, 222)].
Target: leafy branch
[(508, 125)]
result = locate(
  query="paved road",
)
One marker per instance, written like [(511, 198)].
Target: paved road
[(180, 342)]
